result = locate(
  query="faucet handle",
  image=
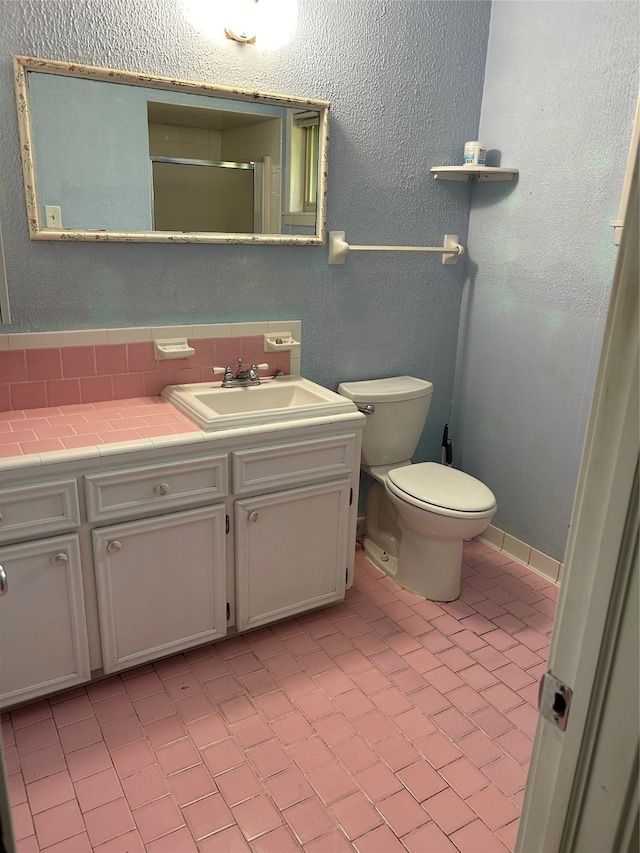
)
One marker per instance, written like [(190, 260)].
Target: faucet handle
[(226, 370), (263, 366)]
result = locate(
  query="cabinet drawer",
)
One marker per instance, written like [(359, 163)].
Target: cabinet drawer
[(28, 512), (156, 487), (268, 468)]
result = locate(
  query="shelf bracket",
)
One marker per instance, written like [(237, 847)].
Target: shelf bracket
[(339, 248)]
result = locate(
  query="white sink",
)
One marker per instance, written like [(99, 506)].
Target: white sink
[(282, 398)]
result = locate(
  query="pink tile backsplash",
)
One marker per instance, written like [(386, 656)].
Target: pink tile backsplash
[(111, 359), (44, 364), (14, 366), (38, 378), (78, 361)]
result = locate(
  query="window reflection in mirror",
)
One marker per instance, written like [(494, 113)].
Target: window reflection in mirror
[(157, 160), (303, 133)]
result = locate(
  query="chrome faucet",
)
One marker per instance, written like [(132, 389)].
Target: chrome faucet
[(245, 377)]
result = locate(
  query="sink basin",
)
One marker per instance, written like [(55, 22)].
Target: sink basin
[(283, 398)]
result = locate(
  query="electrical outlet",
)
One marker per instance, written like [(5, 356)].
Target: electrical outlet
[(53, 216)]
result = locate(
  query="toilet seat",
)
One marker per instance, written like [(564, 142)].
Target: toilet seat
[(442, 490)]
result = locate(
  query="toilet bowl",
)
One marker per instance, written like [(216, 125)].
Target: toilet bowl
[(437, 509), (417, 516)]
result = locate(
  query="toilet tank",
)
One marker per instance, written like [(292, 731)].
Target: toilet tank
[(393, 430)]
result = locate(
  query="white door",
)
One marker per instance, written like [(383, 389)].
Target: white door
[(161, 585), (582, 792), (291, 552)]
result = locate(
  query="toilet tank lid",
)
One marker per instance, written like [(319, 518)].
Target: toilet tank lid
[(385, 390)]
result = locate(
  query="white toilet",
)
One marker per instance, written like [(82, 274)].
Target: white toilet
[(417, 516)]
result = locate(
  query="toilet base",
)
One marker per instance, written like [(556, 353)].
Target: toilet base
[(377, 556), (424, 547), (429, 567)]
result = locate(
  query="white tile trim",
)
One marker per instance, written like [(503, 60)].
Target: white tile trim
[(83, 338), (246, 330), (130, 335), (493, 536), (517, 549), (159, 333), (544, 565), (141, 334), (34, 340), (212, 330), (533, 559)]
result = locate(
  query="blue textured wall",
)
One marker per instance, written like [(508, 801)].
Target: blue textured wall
[(405, 82), (560, 93), (102, 180)]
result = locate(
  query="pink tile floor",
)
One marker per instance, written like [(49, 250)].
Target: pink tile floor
[(385, 723)]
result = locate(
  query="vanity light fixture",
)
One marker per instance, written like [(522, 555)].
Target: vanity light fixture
[(243, 22), (267, 23)]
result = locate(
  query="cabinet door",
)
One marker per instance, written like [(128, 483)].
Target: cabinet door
[(43, 632), (161, 585), (291, 552)]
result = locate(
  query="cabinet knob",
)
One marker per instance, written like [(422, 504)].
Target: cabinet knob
[(254, 516), (4, 582), (61, 559), (114, 546), (162, 489)]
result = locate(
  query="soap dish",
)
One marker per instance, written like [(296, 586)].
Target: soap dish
[(280, 342), (173, 348)]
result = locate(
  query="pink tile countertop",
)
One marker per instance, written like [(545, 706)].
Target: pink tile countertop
[(26, 432)]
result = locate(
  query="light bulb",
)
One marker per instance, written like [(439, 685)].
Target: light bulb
[(270, 22)]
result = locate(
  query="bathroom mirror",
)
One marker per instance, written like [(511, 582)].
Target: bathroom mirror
[(118, 156)]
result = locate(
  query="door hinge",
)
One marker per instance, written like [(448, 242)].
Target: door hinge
[(228, 611), (350, 497), (227, 527), (346, 575), (554, 700)]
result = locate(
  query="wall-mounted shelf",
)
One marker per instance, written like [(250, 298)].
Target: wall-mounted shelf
[(476, 173)]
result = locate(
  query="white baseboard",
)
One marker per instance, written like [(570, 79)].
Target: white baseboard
[(535, 560)]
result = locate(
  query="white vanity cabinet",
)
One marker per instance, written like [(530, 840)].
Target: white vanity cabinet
[(292, 543), (161, 581), (119, 558), (43, 633)]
